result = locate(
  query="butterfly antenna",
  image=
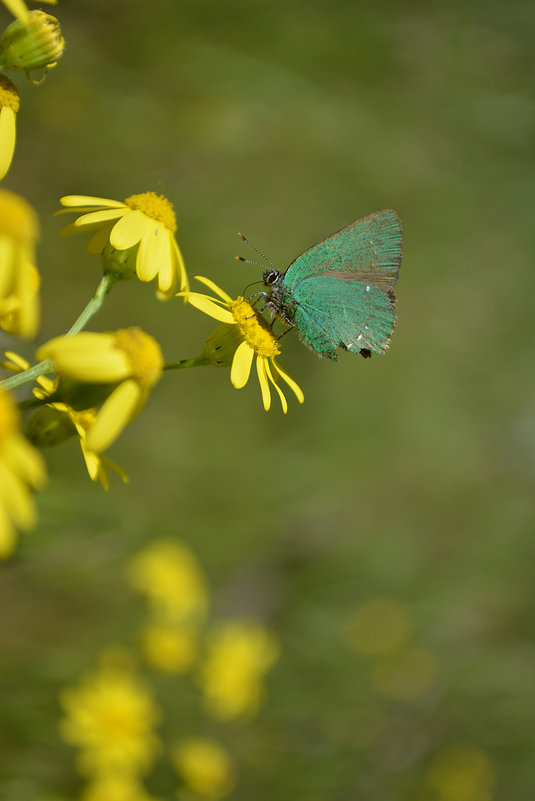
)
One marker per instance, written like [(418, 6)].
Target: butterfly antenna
[(239, 258)]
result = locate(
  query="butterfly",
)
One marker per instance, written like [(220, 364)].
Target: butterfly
[(340, 292)]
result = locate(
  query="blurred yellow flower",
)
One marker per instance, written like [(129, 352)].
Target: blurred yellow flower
[(17, 7), (461, 773), (115, 787), (54, 423), (231, 677), (128, 357), (380, 626), (244, 334), (405, 675), (111, 717), (168, 574), (144, 224), (204, 766), (9, 106), (19, 280), (31, 43), (21, 471), (170, 647)]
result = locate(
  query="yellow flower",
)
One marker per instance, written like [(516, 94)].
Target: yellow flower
[(111, 717), (243, 335), (170, 647), (17, 7), (204, 766), (56, 422), (231, 678), (168, 574), (32, 43), (21, 470), (128, 357), (144, 225), (9, 106), (115, 787), (19, 280)]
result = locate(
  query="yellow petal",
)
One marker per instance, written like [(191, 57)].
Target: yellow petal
[(16, 499), (241, 365), (86, 357), (264, 384), (25, 461), (17, 8), (99, 240), (145, 268), (283, 401), (7, 534), (153, 249), (87, 200), (116, 412), (7, 138), (96, 218), (130, 229), (210, 307), (8, 265), (296, 389), (214, 287), (180, 266)]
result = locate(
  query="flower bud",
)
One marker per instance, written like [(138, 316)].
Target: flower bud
[(34, 44)]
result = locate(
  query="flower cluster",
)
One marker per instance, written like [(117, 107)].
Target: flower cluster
[(112, 716)]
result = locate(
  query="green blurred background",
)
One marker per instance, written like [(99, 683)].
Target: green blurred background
[(408, 476)]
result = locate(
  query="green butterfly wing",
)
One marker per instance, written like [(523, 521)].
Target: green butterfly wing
[(370, 246), (331, 312), (341, 290)]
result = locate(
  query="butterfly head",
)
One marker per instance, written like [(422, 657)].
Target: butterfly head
[(271, 277)]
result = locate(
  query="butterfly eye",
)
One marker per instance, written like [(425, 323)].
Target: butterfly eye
[(270, 276)]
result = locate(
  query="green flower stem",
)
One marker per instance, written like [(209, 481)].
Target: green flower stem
[(94, 304), (28, 375), (199, 361), (92, 308)]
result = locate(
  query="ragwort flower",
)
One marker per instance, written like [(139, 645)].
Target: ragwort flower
[(115, 787), (111, 717), (231, 678), (144, 225), (21, 471), (243, 335), (19, 279), (128, 357), (205, 767), (168, 574), (9, 106)]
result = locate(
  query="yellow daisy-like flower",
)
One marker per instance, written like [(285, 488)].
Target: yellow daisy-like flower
[(56, 422), (231, 678), (9, 106), (170, 577), (205, 767), (21, 470), (111, 717), (144, 225), (32, 43), (19, 280), (243, 335), (128, 357)]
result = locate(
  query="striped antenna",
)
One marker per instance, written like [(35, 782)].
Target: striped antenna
[(240, 258)]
